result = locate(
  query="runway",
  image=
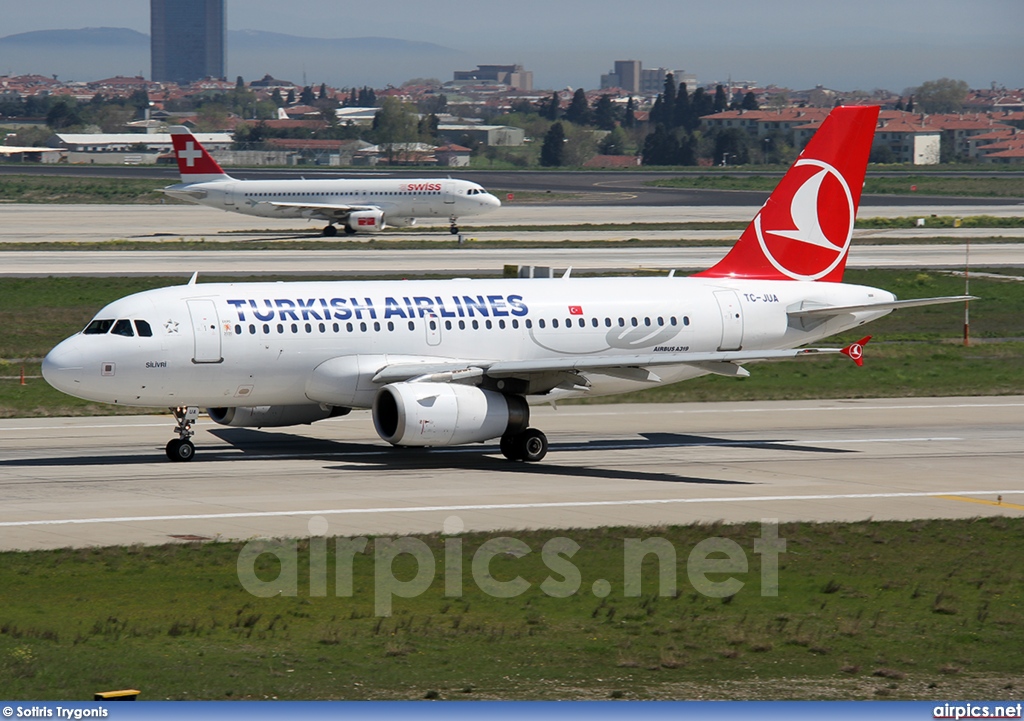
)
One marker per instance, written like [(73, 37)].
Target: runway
[(26, 222), (460, 261), (100, 481)]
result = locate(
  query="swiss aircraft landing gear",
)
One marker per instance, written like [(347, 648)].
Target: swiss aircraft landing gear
[(349, 230), (330, 231), (530, 446), (182, 448), (454, 228)]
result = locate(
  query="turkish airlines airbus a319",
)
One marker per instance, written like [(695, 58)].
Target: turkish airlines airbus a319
[(447, 362), (359, 205)]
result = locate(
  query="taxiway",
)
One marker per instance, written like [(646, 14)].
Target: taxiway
[(102, 481)]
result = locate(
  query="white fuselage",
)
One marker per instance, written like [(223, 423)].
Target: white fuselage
[(263, 344), (402, 200)]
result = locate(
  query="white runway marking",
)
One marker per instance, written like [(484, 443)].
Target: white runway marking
[(502, 507)]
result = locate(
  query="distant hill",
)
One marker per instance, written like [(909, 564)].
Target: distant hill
[(96, 53)]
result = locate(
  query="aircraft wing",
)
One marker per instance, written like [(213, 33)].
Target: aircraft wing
[(326, 211), (638, 367), (812, 311)]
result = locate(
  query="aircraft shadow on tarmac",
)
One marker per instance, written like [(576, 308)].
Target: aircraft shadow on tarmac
[(275, 445)]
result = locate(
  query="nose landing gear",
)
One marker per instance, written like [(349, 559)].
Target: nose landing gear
[(182, 448), (454, 228)]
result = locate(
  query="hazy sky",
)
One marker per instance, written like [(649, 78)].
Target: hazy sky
[(861, 44)]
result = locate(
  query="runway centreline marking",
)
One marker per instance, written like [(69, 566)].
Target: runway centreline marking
[(501, 507)]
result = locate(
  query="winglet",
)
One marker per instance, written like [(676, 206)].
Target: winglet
[(856, 350)]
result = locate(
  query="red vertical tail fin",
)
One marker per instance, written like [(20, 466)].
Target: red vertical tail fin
[(803, 232), (195, 164)]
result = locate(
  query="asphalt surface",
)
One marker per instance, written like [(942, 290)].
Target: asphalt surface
[(100, 481)]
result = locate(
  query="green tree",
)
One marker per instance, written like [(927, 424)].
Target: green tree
[(64, 114), (552, 152), (614, 143), (604, 114), (307, 96), (550, 109), (276, 98), (682, 111), (629, 121), (394, 124), (721, 103), (750, 101), (668, 111), (732, 147), (944, 95), (578, 111)]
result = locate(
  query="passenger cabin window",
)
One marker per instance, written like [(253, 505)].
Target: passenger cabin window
[(123, 327), (98, 327)]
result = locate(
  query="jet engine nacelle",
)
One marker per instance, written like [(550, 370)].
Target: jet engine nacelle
[(271, 416), (366, 221), (445, 414)]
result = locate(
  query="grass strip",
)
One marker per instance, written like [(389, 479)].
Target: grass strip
[(891, 610), (925, 184)]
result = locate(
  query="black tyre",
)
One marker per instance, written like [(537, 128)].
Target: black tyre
[(180, 450), (509, 448), (330, 231), (454, 230), (532, 445)]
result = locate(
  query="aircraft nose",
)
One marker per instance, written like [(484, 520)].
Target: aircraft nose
[(492, 200), (62, 366)]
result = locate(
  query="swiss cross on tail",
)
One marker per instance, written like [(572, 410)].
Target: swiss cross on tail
[(194, 163), (804, 230)]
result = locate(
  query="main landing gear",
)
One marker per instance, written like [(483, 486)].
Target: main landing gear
[(330, 231), (530, 445), (182, 448)]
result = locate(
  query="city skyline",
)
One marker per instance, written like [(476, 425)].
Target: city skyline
[(794, 43)]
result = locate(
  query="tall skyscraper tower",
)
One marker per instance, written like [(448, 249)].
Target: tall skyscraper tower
[(186, 39)]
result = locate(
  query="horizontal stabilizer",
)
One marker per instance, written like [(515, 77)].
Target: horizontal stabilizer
[(833, 310)]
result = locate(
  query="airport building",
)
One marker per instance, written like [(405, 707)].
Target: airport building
[(513, 76), (187, 40)]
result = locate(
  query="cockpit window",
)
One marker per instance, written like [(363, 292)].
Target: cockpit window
[(143, 328), (123, 327), (98, 327)]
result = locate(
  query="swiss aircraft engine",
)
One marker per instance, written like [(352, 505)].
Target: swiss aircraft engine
[(366, 221), (445, 414), (271, 416)]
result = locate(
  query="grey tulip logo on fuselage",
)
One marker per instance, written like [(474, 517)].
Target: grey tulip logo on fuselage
[(630, 337)]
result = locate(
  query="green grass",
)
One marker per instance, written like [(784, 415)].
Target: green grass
[(68, 189), (864, 610), (916, 352), (926, 184)]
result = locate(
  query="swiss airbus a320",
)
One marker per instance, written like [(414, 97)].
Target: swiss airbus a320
[(448, 362), (358, 205)]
